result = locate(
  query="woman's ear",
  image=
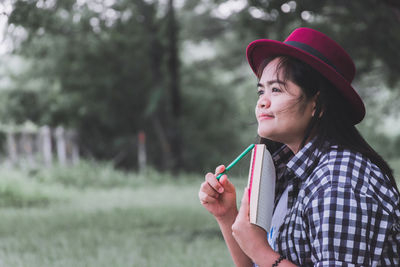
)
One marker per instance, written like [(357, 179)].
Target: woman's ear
[(317, 105)]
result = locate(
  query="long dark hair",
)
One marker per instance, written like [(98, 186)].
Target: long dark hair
[(331, 121)]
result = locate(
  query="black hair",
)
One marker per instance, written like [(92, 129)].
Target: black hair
[(331, 121)]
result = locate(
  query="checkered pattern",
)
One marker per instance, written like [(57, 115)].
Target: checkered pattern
[(342, 211)]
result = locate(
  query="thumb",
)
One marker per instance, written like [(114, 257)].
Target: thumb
[(244, 206), (245, 199), (228, 186)]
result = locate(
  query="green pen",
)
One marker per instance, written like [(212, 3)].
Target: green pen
[(236, 160)]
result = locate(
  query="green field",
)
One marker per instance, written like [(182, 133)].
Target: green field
[(53, 218), (139, 221)]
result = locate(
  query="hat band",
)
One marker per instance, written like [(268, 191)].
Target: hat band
[(313, 52)]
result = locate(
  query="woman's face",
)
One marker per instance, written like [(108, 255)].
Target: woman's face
[(282, 111)]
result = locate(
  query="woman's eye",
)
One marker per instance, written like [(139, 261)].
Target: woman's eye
[(275, 89), (260, 92)]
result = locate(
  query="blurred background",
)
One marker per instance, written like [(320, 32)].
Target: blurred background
[(112, 111)]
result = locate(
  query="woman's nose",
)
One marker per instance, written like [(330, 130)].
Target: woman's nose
[(264, 101)]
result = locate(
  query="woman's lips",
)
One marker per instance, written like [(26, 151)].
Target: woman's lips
[(265, 117)]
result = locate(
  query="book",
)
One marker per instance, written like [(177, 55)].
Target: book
[(261, 184)]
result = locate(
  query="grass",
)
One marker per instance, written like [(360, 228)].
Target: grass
[(135, 221), (53, 218), (126, 231)]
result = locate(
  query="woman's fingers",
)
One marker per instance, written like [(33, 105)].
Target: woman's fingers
[(207, 189), (206, 198), (211, 188), (218, 196), (214, 183), (219, 169), (228, 186)]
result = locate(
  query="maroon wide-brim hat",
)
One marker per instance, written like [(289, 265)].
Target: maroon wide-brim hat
[(320, 52)]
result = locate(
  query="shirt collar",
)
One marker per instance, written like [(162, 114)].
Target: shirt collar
[(300, 163), (281, 157)]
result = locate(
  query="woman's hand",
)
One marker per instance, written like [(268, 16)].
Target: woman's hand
[(218, 197), (252, 239)]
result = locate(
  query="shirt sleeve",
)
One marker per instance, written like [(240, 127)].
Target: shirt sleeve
[(346, 228)]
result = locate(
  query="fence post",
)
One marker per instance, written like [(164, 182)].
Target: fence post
[(60, 144), (73, 148), (11, 147), (45, 145), (142, 151), (27, 146)]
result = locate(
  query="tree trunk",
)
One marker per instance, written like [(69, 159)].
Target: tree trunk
[(161, 126), (173, 71), (165, 145)]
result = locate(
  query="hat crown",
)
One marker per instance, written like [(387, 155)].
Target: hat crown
[(322, 54), (327, 48)]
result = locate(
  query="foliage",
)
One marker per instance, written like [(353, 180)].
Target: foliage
[(84, 175), (103, 76), (100, 175), (103, 67), (106, 82), (18, 191), (395, 165)]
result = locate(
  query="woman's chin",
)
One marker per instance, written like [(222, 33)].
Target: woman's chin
[(263, 135), (268, 135)]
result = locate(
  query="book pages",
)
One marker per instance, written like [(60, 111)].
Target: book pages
[(261, 183), (254, 181), (266, 192)]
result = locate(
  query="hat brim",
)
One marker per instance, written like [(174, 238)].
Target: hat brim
[(259, 50)]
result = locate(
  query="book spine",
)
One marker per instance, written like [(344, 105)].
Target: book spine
[(252, 170)]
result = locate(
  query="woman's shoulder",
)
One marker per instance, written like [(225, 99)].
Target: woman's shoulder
[(342, 163), (342, 168)]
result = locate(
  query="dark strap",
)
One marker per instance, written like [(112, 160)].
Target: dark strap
[(313, 52)]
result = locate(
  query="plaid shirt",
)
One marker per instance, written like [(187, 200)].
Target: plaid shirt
[(342, 211)]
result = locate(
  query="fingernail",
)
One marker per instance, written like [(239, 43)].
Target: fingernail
[(221, 190)]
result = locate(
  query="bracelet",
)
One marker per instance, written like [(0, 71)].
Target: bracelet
[(281, 258)]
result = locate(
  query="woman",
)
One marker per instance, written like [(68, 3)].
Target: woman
[(337, 203)]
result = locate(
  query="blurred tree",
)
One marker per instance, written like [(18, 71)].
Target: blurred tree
[(174, 85), (110, 70), (98, 53)]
